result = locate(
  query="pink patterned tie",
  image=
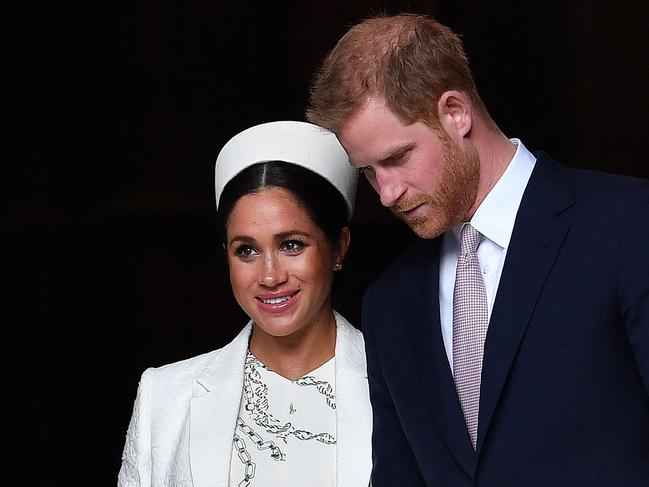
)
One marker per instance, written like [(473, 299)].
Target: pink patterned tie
[(470, 321)]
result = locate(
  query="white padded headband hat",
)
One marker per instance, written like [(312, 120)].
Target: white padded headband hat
[(300, 143)]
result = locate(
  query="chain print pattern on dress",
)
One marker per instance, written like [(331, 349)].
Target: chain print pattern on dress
[(244, 456), (256, 397), (255, 393), (323, 387)]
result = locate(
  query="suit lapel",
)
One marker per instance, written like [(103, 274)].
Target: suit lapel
[(213, 413), (539, 233), (438, 387), (353, 411)]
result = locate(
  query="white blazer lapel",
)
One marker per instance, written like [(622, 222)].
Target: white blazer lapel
[(213, 413), (353, 410)]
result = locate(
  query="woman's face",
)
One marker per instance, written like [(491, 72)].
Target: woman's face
[(281, 264)]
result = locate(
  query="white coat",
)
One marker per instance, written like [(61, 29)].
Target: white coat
[(185, 413)]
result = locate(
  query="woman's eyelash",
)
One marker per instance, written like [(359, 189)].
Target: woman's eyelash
[(244, 251), (294, 243)]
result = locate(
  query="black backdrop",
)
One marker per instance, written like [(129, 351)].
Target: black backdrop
[(116, 114)]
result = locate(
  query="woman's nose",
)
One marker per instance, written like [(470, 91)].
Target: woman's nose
[(272, 271)]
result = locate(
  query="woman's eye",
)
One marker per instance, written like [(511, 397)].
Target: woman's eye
[(245, 252), (293, 246)]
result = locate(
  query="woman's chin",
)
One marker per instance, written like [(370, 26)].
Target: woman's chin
[(278, 328)]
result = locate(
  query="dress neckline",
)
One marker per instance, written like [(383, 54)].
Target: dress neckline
[(315, 371)]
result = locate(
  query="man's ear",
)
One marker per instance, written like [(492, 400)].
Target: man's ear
[(455, 113)]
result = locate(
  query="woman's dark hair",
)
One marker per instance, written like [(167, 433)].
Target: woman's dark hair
[(321, 200)]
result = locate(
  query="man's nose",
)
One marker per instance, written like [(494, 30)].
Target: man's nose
[(389, 186), (271, 272)]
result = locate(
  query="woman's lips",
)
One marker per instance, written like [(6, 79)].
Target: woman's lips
[(277, 303)]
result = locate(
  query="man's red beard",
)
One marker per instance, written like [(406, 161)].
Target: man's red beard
[(454, 196)]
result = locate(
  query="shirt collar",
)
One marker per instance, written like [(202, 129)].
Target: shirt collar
[(496, 215)]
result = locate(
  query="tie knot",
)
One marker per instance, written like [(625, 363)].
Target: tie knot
[(469, 239)]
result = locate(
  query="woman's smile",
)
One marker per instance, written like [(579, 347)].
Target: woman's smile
[(278, 303)]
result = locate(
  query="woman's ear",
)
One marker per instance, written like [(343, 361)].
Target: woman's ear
[(343, 245)]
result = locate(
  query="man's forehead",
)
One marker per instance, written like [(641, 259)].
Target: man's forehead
[(373, 133)]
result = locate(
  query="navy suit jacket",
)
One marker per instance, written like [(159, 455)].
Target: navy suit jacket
[(565, 382)]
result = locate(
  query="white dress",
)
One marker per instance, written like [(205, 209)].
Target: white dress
[(286, 429)]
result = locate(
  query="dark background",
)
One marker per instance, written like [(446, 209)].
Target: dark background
[(116, 113)]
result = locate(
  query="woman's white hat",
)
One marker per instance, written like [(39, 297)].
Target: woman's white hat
[(301, 143)]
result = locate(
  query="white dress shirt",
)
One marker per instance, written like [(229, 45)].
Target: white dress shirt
[(494, 219)]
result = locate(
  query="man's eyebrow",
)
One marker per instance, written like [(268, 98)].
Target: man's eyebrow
[(396, 150)]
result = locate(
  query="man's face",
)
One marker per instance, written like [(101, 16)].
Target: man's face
[(422, 175)]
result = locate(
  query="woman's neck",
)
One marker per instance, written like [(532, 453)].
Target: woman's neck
[(296, 355)]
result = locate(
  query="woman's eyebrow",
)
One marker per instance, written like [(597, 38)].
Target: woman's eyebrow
[(277, 236), (242, 238), (290, 233)]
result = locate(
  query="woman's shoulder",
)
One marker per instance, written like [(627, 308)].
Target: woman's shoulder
[(175, 374), (350, 345), (343, 324)]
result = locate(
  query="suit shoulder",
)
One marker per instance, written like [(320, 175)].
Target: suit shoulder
[(186, 365), (345, 325), (611, 196), (612, 184), (178, 376), (598, 195), (172, 376), (600, 184), (409, 262)]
